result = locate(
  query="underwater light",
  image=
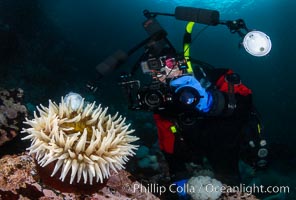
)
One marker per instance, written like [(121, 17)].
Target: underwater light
[(257, 43)]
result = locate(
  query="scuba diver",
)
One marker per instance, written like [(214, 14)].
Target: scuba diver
[(202, 114), (211, 117)]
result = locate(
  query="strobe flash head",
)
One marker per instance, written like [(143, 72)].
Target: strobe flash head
[(257, 43)]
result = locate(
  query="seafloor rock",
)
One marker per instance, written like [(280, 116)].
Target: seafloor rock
[(19, 180), (12, 113), (236, 195)]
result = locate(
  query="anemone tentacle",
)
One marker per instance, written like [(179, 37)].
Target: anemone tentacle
[(86, 141)]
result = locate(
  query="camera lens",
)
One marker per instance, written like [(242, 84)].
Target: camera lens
[(153, 99), (188, 96)]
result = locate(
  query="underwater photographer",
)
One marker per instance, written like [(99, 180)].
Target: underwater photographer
[(207, 116), (204, 115)]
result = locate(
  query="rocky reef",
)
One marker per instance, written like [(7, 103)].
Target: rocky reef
[(12, 113), (19, 179)]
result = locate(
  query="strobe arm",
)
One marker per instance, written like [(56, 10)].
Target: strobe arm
[(236, 26), (157, 33)]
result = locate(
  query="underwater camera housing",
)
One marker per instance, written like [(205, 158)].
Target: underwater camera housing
[(156, 95)]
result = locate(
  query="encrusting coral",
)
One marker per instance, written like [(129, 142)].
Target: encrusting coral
[(80, 136)]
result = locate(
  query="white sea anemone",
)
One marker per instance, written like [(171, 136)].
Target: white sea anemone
[(86, 140)]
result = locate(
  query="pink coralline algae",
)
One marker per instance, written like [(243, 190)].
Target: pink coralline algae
[(19, 179), (12, 113)]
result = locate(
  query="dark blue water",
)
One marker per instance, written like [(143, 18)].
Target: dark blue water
[(54, 47)]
